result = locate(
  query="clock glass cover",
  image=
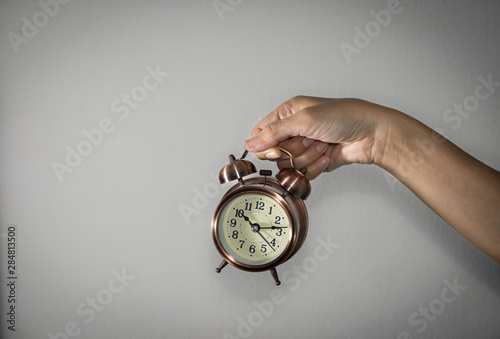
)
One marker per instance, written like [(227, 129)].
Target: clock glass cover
[(254, 228)]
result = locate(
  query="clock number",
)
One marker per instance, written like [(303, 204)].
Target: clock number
[(279, 232), (277, 220), (233, 222), (248, 206), (239, 213), (270, 210), (241, 243), (273, 242), (263, 248), (235, 234), (252, 249), (259, 205)]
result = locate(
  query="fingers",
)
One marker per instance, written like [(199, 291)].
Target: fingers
[(334, 153), (306, 157), (287, 109), (318, 167), (280, 124), (312, 159), (275, 132), (272, 153), (284, 128), (296, 146), (306, 153)]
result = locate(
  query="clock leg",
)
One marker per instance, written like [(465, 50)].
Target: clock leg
[(275, 276), (221, 266)]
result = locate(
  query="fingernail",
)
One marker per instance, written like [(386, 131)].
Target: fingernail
[(321, 147), (272, 155), (307, 142), (323, 162), (252, 142)]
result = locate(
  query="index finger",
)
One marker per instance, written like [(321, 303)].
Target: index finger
[(286, 109)]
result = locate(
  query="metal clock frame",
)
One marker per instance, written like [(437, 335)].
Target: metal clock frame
[(294, 208)]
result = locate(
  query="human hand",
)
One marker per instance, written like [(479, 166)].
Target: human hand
[(322, 134)]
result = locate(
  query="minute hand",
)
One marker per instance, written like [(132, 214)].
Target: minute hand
[(266, 241)]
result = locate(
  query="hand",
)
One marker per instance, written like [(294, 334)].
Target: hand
[(322, 134)]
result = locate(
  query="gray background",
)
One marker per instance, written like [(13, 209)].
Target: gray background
[(121, 208)]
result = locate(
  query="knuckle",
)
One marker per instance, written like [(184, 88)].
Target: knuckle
[(255, 131), (285, 110), (306, 114), (298, 98), (268, 132), (306, 121)]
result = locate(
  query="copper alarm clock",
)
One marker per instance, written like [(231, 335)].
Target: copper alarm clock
[(260, 222)]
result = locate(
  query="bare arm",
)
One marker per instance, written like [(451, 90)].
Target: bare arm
[(459, 188)]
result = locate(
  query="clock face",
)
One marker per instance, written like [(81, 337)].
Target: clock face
[(254, 228)]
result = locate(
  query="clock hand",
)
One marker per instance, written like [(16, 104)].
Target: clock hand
[(271, 228), (247, 219), (256, 228), (266, 241), (251, 223)]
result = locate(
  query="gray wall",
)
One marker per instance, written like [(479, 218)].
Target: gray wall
[(103, 249)]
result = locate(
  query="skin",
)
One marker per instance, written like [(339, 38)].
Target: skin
[(323, 134)]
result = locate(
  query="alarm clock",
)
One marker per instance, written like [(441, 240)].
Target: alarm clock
[(261, 221)]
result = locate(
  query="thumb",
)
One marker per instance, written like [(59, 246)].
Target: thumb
[(275, 132)]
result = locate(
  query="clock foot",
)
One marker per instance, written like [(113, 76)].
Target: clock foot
[(221, 266), (275, 276)]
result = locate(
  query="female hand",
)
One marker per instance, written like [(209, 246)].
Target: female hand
[(322, 134)]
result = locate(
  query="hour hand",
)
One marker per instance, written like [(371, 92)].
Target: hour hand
[(248, 219)]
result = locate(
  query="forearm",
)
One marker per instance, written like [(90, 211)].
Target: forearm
[(462, 190)]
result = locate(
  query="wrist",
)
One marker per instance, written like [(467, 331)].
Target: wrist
[(388, 138), (402, 143)]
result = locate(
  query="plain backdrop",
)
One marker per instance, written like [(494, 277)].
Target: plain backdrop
[(138, 200)]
